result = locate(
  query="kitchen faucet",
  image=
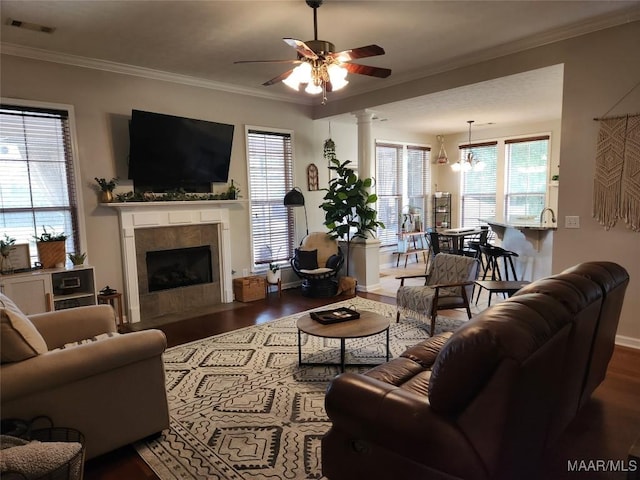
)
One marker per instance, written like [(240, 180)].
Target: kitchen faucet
[(553, 215)]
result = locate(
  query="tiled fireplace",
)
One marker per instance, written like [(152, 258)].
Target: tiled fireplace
[(175, 256)]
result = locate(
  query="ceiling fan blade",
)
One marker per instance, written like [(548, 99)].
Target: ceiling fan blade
[(301, 48), (268, 61), (367, 70), (277, 79), (360, 52)]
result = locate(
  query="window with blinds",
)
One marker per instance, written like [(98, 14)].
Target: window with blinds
[(418, 178), (37, 187), (402, 178), (270, 162), (389, 191), (526, 186), (479, 186)]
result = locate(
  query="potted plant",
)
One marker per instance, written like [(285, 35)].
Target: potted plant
[(233, 192), (274, 273), (348, 204), (106, 188), (6, 246), (77, 259), (51, 248)]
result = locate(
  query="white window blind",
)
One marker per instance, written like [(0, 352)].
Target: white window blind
[(389, 191), (479, 186), (270, 177), (527, 164), (418, 178), (37, 188)]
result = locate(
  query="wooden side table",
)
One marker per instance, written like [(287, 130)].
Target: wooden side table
[(112, 299)]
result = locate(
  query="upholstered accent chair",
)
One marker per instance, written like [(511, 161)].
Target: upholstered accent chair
[(72, 366), (317, 261), (449, 284)]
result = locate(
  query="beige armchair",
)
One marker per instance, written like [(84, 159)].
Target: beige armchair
[(111, 389)]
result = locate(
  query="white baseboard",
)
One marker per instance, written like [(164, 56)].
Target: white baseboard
[(630, 342)]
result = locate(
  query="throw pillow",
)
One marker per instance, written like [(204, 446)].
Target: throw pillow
[(19, 338), (307, 259), (333, 261)]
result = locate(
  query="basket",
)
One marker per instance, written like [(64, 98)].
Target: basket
[(72, 469), (52, 253), (249, 289)]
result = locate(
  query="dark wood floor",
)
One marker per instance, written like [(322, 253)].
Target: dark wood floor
[(605, 429)]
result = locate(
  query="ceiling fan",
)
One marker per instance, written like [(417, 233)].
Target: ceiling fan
[(319, 66)]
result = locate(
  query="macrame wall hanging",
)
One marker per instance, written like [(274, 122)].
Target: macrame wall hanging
[(616, 189)]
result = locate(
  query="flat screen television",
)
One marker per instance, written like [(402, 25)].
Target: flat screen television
[(168, 152)]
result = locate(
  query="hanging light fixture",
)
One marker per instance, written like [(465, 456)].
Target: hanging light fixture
[(470, 162), (442, 159), (315, 74)]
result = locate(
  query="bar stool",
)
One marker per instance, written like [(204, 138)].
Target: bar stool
[(492, 255)]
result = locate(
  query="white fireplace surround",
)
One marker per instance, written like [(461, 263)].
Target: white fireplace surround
[(137, 215)]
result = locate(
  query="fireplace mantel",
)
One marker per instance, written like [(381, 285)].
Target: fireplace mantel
[(137, 215)]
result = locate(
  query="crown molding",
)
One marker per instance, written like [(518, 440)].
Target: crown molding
[(125, 69)]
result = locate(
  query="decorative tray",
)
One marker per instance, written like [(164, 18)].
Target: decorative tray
[(335, 315)]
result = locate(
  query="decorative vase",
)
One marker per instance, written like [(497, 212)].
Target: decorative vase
[(52, 254), (6, 266), (106, 196), (273, 277)]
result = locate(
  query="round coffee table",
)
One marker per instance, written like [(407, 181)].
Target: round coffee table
[(369, 323)]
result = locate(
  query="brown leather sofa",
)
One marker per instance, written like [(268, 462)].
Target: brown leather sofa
[(486, 401), (111, 389)]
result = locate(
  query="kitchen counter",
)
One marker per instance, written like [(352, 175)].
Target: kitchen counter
[(532, 241), (520, 225)]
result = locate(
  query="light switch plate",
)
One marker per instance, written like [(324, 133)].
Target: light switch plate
[(571, 221)]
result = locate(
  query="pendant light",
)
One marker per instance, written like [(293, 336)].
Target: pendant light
[(442, 155), (470, 162)]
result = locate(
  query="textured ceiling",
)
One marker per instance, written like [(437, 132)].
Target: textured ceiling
[(202, 39)]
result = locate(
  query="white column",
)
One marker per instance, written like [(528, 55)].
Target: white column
[(366, 158), (365, 256)]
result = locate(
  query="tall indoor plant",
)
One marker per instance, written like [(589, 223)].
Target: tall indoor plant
[(348, 205)]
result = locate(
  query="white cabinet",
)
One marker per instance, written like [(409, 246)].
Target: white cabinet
[(31, 293), (54, 289)]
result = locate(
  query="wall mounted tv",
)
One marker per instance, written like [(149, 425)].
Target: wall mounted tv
[(168, 152)]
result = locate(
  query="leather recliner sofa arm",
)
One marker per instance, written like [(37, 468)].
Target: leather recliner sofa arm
[(71, 325), (400, 421), (60, 367)]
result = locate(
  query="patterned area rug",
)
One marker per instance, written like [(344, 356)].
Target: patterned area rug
[(242, 408)]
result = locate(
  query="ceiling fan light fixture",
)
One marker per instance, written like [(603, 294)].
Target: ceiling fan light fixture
[(300, 74), (313, 89), (337, 76)]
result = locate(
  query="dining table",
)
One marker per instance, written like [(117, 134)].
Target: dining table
[(457, 236)]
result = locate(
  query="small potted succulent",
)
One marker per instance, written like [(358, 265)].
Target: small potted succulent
[(77, 259), (51, 248), (106, 188)]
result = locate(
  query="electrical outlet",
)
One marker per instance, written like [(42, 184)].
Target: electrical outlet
[(245, 272), (571, 221)]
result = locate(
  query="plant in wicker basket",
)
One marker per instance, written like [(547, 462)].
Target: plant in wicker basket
[(51, 248)]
